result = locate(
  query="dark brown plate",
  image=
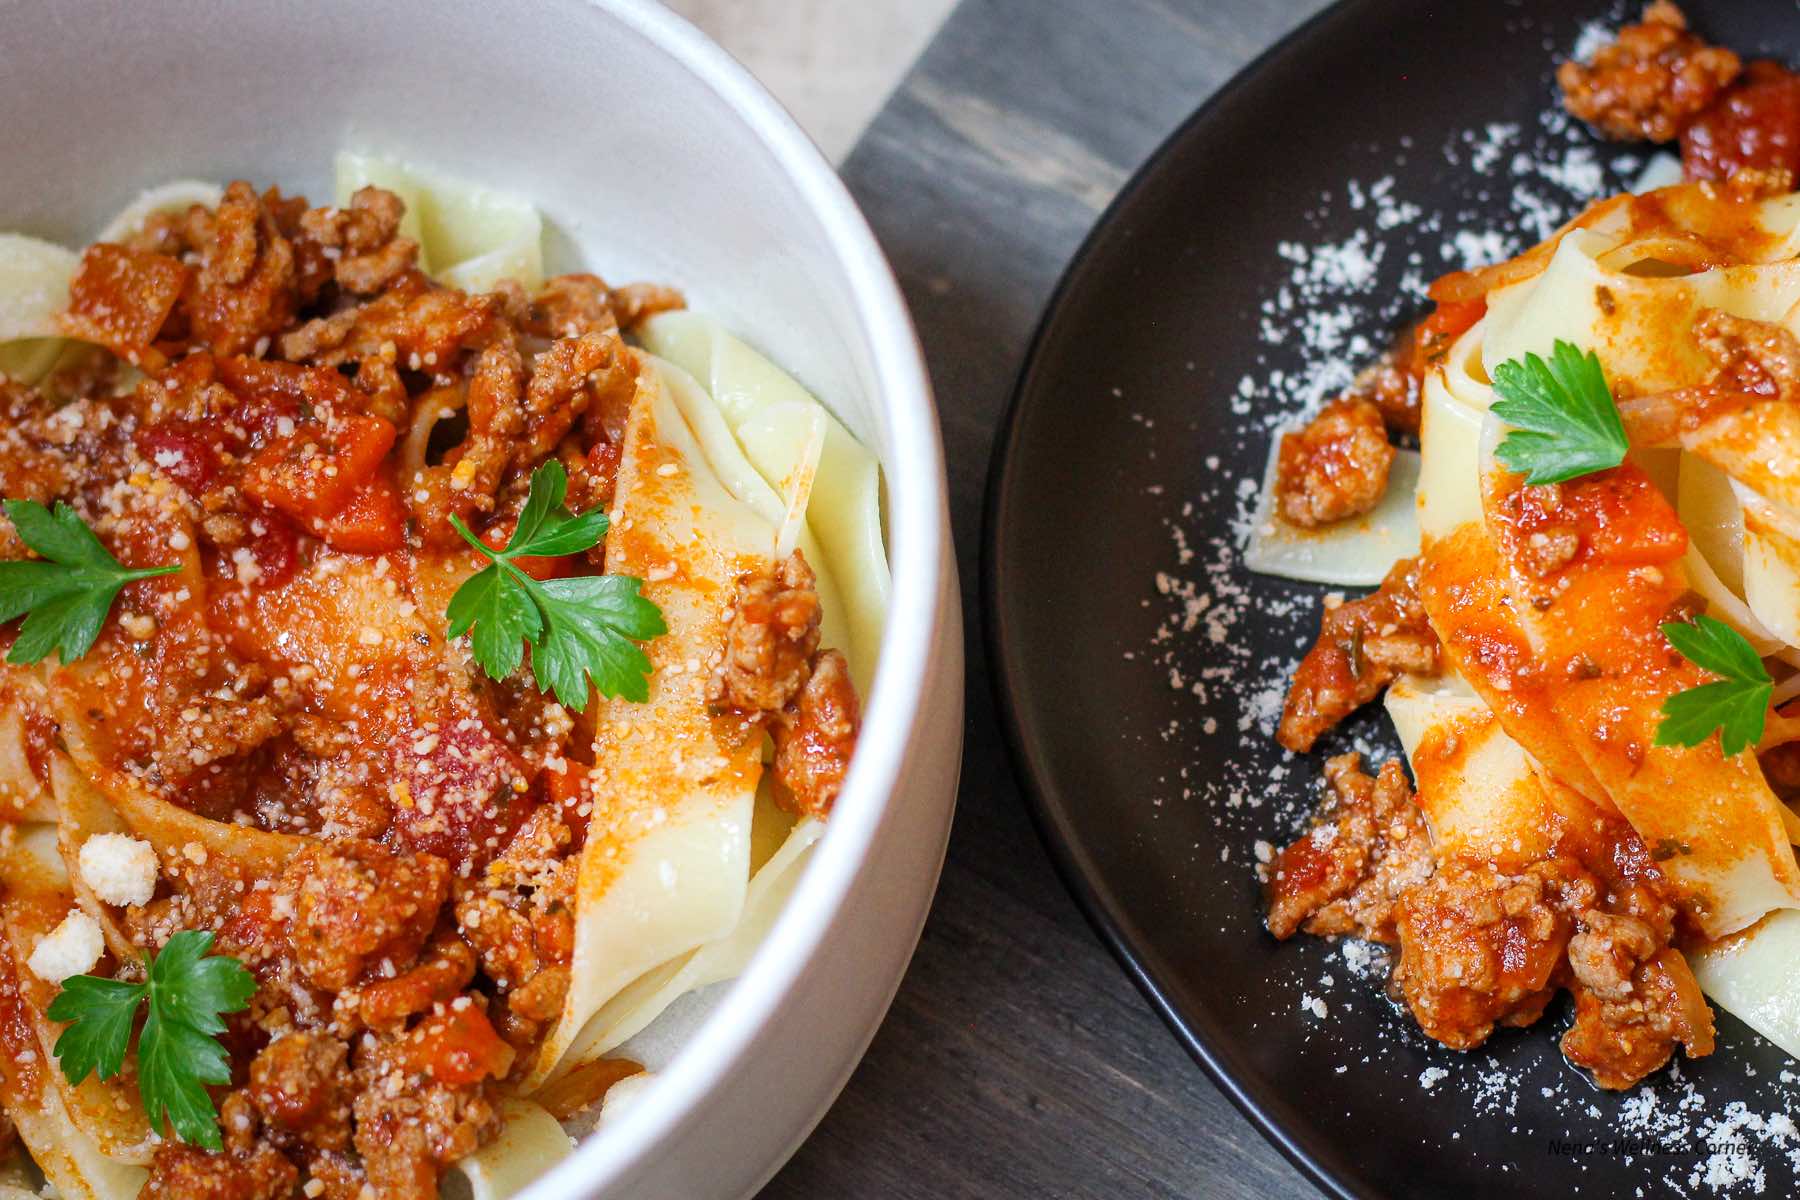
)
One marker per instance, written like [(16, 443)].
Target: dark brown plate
[(1128, 438)]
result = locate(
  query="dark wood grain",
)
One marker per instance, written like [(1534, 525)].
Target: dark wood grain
[(1017, 1060)]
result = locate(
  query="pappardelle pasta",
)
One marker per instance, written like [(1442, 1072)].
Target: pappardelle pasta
[(1587, 629), (420, 672)]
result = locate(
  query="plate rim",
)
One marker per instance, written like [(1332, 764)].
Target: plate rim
[(1303, 1146)]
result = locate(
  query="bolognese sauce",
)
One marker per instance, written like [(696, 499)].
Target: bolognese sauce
[(297, 408), (1552, 613)]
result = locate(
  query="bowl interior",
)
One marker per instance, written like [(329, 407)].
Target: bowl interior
[(650, 155), (641, 168)]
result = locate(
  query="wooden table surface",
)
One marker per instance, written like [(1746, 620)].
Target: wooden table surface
[(1017, 1060)]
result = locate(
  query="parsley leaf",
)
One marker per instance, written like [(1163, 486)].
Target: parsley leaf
[(1568, 425), (64, 596), (503, 616), (175, 1063), (189, 987), (579, 629), (102, 1012), (594, 619), (546, 528), (178, 1050), (1737, 705)]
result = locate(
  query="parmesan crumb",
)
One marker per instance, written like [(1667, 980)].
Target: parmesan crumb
[(119, 869), (72, 948)]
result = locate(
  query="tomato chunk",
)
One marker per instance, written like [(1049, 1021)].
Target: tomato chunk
[(1615, 518), (457, 1046), (1756, 124), (271, 391), (312, 473), (568, 790), (276, 550), (1447, 322), (463, 796), (120, 298), (182, 451), (256, 922), (371, 521)]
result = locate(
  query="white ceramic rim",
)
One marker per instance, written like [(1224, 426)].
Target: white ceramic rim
[(916, 554)]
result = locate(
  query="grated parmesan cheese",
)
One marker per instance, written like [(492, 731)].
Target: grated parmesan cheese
[(118, 868), (1223, 645), (72, 948)]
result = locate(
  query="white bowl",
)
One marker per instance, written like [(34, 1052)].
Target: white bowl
[(652, 156)]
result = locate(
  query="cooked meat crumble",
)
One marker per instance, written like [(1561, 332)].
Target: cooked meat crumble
[(775, 671), (1535, 598), (1336, 467), (1363, 646), (1367, 846), (1651, 81), (1480, 944), (303, 413), (773, 638)]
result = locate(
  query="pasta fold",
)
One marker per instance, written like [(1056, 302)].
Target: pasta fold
[(843, 507), (666, 863)]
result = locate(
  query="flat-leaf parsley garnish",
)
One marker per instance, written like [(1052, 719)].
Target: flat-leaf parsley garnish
[(579, 628), (64, 596), (1567, 423), (1737, 704), (178, 1052)]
